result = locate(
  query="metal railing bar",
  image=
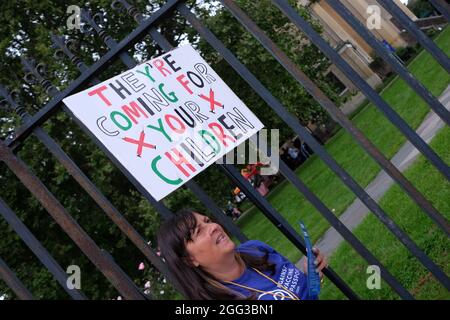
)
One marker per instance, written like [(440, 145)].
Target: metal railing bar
[(110, 270), (13, 282), (38, 249)]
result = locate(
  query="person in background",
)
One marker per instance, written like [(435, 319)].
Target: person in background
[(293, 152), (232, 211)]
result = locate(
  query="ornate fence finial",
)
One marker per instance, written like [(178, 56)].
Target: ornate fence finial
[(63, 47), (11, 101), (35, 74), (108, 40), (123, 5), (94, 23)]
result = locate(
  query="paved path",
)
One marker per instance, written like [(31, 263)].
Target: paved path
[(354, 214)]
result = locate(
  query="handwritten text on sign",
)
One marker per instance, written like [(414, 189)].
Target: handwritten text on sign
[(165, 120)]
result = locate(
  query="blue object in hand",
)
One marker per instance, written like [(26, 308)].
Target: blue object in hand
[(313, 278)]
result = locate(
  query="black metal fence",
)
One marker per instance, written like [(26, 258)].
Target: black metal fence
[(118, 52)]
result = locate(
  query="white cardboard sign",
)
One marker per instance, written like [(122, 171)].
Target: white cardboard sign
[(165, 120)]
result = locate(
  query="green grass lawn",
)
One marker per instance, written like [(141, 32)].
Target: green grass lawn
[(418, 280), (324, 183)]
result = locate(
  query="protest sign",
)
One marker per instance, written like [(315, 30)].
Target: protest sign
[(166, 120)]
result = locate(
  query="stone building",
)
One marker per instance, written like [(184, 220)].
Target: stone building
[(351, 46)]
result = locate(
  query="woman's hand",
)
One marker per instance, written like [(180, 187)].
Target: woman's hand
[(320, 262)]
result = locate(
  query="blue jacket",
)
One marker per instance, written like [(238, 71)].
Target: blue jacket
[(286, 273)]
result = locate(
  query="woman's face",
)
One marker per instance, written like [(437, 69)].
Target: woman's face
[(209, 242)]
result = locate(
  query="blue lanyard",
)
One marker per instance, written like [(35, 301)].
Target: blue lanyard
[(313, 278)]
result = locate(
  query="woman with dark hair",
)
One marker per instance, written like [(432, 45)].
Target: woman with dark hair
[(208, 265)]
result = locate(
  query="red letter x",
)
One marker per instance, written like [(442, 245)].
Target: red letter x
[(141, 144), (212, 101)]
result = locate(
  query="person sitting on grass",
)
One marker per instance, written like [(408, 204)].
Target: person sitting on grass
[(208, 265)]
